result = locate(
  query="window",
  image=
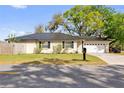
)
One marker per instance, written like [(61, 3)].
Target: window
[(70, 44), (46, 44)]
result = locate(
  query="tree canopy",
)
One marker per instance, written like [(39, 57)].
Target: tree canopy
[(56, 22), (40, 29), (11, 38), (117, 31), (88, 20), (98, 20)]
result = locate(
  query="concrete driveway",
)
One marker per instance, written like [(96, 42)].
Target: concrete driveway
[(61, 76), (110, 58)]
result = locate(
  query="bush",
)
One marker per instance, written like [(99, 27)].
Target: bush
[(37, 50), (64, 51), (57, 49)]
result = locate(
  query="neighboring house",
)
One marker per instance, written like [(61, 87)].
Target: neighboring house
[(69, 43)]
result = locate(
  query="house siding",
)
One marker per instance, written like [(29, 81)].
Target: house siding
[(30, 46), (55, 43)]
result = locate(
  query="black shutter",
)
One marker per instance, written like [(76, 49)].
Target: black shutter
[(40, 44), (63, 44), (48, 44), (72, 44)]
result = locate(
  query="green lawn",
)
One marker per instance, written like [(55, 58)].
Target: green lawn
[(49, 58), (122, 53)]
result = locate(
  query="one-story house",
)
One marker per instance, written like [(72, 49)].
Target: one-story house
[(69, 43)]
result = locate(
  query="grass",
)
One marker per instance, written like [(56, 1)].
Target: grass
[(50, 59), (122, 53)]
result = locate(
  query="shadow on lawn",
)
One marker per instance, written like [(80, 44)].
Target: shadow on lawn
[(36, 75), (62, 61)]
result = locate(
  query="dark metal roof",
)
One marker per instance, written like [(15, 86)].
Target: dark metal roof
[(48, 36), (57, 36)]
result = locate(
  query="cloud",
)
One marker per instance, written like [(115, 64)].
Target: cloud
[(7, 31), (13, 31), (19, 6), (17, 33)]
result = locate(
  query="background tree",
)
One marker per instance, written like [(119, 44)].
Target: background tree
[(107, 18), (40, 29), (117, 30), (88, 20), (11, 38), (94, 23), (56, 22), (75, 20)]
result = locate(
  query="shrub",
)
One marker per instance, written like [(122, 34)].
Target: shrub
[(38, 49), (64, 51), (57, 49)]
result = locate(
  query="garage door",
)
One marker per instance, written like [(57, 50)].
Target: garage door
[(99, 48)]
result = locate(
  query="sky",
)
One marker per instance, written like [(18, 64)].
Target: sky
[(22, 20)]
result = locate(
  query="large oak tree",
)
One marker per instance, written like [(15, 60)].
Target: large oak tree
[(88, 20)]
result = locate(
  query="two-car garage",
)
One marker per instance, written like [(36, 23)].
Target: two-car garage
[(96, 46)]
